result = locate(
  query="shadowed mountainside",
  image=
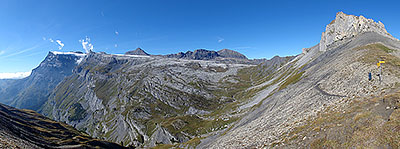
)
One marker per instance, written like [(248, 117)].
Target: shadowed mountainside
[(28, 129)]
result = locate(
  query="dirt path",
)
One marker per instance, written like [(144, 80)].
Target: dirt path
[(325, 93)]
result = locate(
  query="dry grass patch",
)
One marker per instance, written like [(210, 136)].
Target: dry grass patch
[(365, 123)]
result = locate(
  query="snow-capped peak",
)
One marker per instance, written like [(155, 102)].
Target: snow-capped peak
[(78, 54)]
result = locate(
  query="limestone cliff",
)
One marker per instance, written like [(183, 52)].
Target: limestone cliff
[(347, 26)]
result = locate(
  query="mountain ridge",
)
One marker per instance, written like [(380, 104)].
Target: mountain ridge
[(199, 54)]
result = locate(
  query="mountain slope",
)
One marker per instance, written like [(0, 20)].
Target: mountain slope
[(313, 80), (6, 92), (105, 95), (32, 91), (363, 123), (142, 100), (28, 129)]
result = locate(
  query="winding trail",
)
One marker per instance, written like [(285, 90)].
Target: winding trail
[(325, 93)]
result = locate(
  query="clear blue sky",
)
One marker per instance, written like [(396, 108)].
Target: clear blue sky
[(258, 29)]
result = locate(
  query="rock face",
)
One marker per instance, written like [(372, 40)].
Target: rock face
[(347, 26), (231, 54), (138, 51), (202, 54), (161, 136), (32, 91), (28, 129)]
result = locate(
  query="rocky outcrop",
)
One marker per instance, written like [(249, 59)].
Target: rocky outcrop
[(161, 136), (202, 54), (138, 51), (347, 26)]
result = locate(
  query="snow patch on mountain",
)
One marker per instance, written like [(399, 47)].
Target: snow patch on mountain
[(65, 53), (81, 55)]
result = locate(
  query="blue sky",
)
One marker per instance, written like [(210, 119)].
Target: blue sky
[(258, 29)]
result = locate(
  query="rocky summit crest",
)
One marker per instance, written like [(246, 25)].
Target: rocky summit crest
[(347, 26), (138, 51)]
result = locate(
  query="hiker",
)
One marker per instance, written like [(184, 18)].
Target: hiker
[(369, 76)]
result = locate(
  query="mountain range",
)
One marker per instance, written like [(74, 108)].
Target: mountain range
[(321, 98)]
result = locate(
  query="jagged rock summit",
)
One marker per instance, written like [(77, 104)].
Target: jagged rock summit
[(231, 54), (347, 26), (138, 51), (199, 54)]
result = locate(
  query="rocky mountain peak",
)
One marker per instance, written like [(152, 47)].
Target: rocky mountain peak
[(203, 54), (199, 54), (347, 26), (231, 54), (32, 91), (138, 51), (61, 59)]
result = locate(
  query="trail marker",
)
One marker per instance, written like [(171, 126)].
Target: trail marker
[(380, 69)]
